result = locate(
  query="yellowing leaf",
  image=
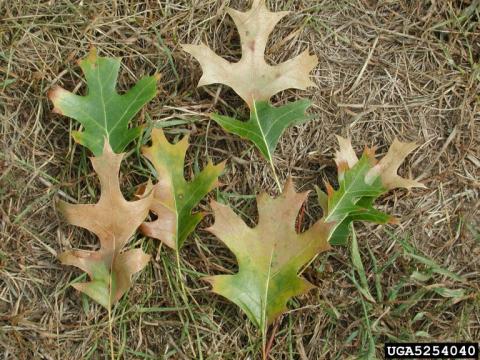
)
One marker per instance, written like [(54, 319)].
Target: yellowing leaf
[(103, 112), (174, 197), (114, 220), (251, 77), (269, 256), (256, 81)]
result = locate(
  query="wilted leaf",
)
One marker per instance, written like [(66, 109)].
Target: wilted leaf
[(114, 220), (387, 167), (174, 197), (361, 182), (251, 77), (269, 256), (103, 112), (256, 81)]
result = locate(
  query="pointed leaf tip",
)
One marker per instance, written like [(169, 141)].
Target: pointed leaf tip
[(158, 136), (370, 152), (330, 189), (289, 186), (394, 220), (56, 95), (345, 154), (92, 54)]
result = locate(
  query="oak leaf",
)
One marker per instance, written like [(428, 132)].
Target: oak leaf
[(361, 182), (386, 168), (174, 197), (251, 77), (266, 124), (256, 81), (269, 256), (114, 220), (103, 112)]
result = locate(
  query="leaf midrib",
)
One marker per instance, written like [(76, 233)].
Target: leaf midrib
[(267, 288), (343, 197), (128, 108), (104, 101), (264, 139)]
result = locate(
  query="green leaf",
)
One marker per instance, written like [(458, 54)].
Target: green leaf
[(358, 265), (353, 201), (363, 211), (361, 182), (352, 188), (322, 199), (174, 197), (449, 293), (103, 113), (269, 256), (266, 124)]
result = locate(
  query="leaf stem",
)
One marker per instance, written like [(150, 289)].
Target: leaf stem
[(266, 352), (184, 294), (277, 181), (110, 331), (110, 319)]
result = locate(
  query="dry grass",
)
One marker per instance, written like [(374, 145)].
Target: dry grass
[(387, 68)]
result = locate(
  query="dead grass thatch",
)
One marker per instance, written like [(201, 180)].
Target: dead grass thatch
[(387, 68)]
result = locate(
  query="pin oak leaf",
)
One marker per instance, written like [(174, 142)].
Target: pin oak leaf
[(256, 81), (251, 77), (103, 113), (361, 182), (114, 220), (269, 255), (174, 197)]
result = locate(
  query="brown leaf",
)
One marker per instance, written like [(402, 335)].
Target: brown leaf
[(251, 77), (345, 157), (388, 166), (114, 220)]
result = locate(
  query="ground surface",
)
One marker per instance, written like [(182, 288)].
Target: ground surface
[(386, 68)]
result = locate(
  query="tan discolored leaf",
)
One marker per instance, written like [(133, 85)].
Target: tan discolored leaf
[(251, 77), (388, 166), (269, 256), (114, 220), (345, 154)]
